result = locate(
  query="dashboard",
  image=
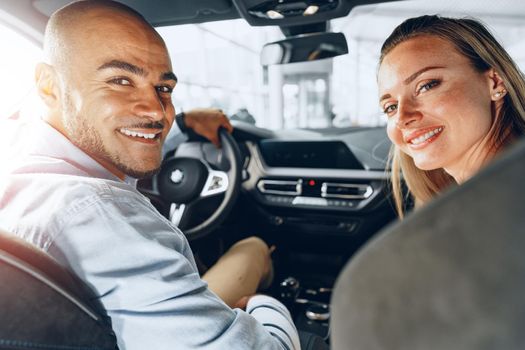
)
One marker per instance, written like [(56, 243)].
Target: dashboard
[(317, 181), (305, 154), (318, 196)]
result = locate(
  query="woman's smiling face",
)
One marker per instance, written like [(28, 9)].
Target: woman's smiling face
[(439, 106)]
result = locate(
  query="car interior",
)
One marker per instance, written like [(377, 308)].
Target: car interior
[(306, 169)]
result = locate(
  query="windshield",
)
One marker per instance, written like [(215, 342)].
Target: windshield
[(218, 65)]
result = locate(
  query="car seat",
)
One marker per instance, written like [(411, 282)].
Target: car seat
[(449, 276), (44, 306)]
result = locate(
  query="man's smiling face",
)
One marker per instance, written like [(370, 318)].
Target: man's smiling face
[(116, 92)]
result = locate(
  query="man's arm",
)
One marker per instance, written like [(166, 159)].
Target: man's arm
[(206, 122), (145, 275), (242, 269), (203, 121)]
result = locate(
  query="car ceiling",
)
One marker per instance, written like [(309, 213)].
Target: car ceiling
[(374, 22), (30, 16), (164, 12)]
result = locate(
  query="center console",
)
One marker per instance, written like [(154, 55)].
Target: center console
[(309, 305)]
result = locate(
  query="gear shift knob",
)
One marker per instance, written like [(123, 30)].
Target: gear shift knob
[(289, 290)]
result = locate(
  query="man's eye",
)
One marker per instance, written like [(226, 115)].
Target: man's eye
[(428, 86), (121, 81), (390, 109), (165, 89)]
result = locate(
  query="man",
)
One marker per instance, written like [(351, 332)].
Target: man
[(107, 86)]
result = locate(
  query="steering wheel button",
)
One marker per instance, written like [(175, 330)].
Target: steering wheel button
[(177, 176)]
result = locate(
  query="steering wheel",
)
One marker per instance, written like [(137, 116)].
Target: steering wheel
[(197, 179)]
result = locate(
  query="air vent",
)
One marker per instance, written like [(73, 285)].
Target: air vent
[(291, 188), (348, 191)]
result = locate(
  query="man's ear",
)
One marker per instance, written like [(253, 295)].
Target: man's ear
[(47, 85), (496, 85)]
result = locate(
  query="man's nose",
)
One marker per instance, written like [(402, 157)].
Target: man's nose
[(407, 114), (149, 105)]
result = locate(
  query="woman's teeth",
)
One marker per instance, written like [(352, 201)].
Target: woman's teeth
[(137, 134), (426, 136)]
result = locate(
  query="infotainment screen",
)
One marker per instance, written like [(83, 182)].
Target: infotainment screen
[(311, 154)]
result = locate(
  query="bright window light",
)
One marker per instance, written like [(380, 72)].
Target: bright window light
[(17, 67)]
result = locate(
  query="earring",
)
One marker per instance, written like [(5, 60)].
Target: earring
[(500, 93)]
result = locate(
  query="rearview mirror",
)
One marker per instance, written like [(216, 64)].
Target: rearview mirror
[(304, 47)]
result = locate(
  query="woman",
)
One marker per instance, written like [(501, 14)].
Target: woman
[(454, 99)]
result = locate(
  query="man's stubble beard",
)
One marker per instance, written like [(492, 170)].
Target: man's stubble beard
[(84, 135)]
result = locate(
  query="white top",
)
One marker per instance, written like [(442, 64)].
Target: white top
[(55, 196)]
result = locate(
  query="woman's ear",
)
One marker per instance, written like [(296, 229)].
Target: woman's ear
[(496, 85), (47, 85)]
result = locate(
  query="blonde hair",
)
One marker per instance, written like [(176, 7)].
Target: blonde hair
[(476, 43)]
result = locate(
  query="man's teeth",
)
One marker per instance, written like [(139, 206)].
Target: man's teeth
[(426, 136), (137, 134)]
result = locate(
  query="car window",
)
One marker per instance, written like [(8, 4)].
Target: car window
[(17, 66), (218, 65)]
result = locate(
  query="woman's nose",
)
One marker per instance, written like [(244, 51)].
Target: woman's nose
[(407, 114)]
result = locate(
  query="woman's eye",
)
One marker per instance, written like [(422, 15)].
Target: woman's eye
[(390, 109), (428, 86)]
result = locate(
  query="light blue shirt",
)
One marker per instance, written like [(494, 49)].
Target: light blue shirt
[(55, 196)]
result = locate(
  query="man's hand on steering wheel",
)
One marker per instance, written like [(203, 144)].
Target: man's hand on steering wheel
[(206, 122)]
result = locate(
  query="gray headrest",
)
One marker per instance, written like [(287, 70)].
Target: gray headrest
[(449, 276)]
